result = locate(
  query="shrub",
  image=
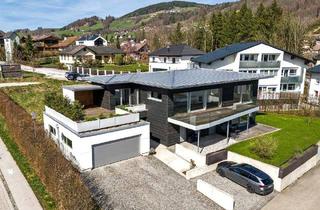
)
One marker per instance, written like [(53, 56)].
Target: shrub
[(118, 60), (72, 110), (265, 147)]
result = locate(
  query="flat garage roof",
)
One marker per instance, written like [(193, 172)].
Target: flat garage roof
[(84, 87)]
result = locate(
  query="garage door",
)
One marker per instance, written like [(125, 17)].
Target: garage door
[(111, 152)]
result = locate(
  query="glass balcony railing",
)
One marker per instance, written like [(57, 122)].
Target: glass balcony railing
[(259, 64), (292, 79)]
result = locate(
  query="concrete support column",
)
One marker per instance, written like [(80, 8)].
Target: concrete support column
[(105, 72), (199, 141), (228, 130), (183, 134), (90, 72), (248, 122)]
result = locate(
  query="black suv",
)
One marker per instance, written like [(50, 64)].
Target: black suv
[(255, 180)]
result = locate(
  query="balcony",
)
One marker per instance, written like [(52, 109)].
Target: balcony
[(259, 64), (292, 79), (120, 118)]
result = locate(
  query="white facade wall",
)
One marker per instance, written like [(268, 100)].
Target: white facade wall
[(81, 151), (157, 62), (91, 42), (314, 85), (8, 47), (232, 63)]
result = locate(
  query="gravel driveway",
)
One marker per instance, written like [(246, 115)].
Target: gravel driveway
[(243, 199), (145, 183)]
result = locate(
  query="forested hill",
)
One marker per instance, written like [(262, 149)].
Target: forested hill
[(164, 6)]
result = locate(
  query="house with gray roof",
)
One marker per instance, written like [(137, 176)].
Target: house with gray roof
[(313, 79), (82, 53), (92, 40), (172, 57), (288, 70), (200, 108), (10, 38)]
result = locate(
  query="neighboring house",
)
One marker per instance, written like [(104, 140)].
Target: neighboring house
[(66, 42), (97, 142), (92, 40), (137, 51), (287, 69), (314, 81), (10, 39), (80, 53), (45, 42), (197, 105), (173, 57), (316, 59)]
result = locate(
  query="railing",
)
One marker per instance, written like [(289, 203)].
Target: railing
[(294, 79), (93, 125), (95, 72), (259, 64)]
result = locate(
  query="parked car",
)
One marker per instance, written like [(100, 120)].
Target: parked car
[(255, 180), (70, 75)]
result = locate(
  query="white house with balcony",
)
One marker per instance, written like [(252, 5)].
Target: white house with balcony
[(92, 40), (314, 82), (173, 57), (103, 137), (288, 69)]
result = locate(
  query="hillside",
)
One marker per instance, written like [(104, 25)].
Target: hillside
[(164, 6)]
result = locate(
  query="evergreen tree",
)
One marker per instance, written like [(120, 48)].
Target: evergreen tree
[(199, 36), (177, 37), (246, 24), (155, 42), (118, 43), (29, 49)]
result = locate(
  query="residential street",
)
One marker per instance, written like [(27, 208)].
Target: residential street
[(18, 187), (304, 194)]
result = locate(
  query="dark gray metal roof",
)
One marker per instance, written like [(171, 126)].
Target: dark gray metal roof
[(82, 87), (177, 79), (10, 35), (177, 50), (315, 69), (235, 48)]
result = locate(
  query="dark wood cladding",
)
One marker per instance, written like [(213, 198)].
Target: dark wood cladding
[(8, 71), (108, 100), (297, 162), (214, 157)]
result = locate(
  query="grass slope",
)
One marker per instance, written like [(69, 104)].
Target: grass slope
[(296, 134), (34, 181), (31, 98)]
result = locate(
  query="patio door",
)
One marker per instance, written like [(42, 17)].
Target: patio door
[(197, 100)]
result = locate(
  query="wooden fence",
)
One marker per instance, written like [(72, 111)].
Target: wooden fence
[(61, 179)]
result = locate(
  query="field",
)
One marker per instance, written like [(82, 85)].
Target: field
[(296, 135)]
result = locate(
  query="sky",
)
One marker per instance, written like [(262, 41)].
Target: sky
[(19, 14)]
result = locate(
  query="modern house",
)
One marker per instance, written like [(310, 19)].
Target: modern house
[(45, 42), (92, 40), (10, 39), (195, 107), (81, 53), (173, 57), (287, 69)]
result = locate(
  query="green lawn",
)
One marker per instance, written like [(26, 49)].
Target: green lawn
[(125, 68), (31, 98), (297, 134), (34, 181), (27, 77)]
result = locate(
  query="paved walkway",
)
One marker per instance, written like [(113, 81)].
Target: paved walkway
[(17, 84), (304, 194), (13, 184)]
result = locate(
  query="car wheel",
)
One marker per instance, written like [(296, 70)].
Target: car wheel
[(250, 189), (221, 173)]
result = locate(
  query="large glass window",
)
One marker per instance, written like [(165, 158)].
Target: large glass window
[(197, 100), (213, 98), (180, 101), (269, 57), (122, 96), (242, 94)]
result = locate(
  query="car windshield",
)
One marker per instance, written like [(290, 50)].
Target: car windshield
[(267, 181)]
